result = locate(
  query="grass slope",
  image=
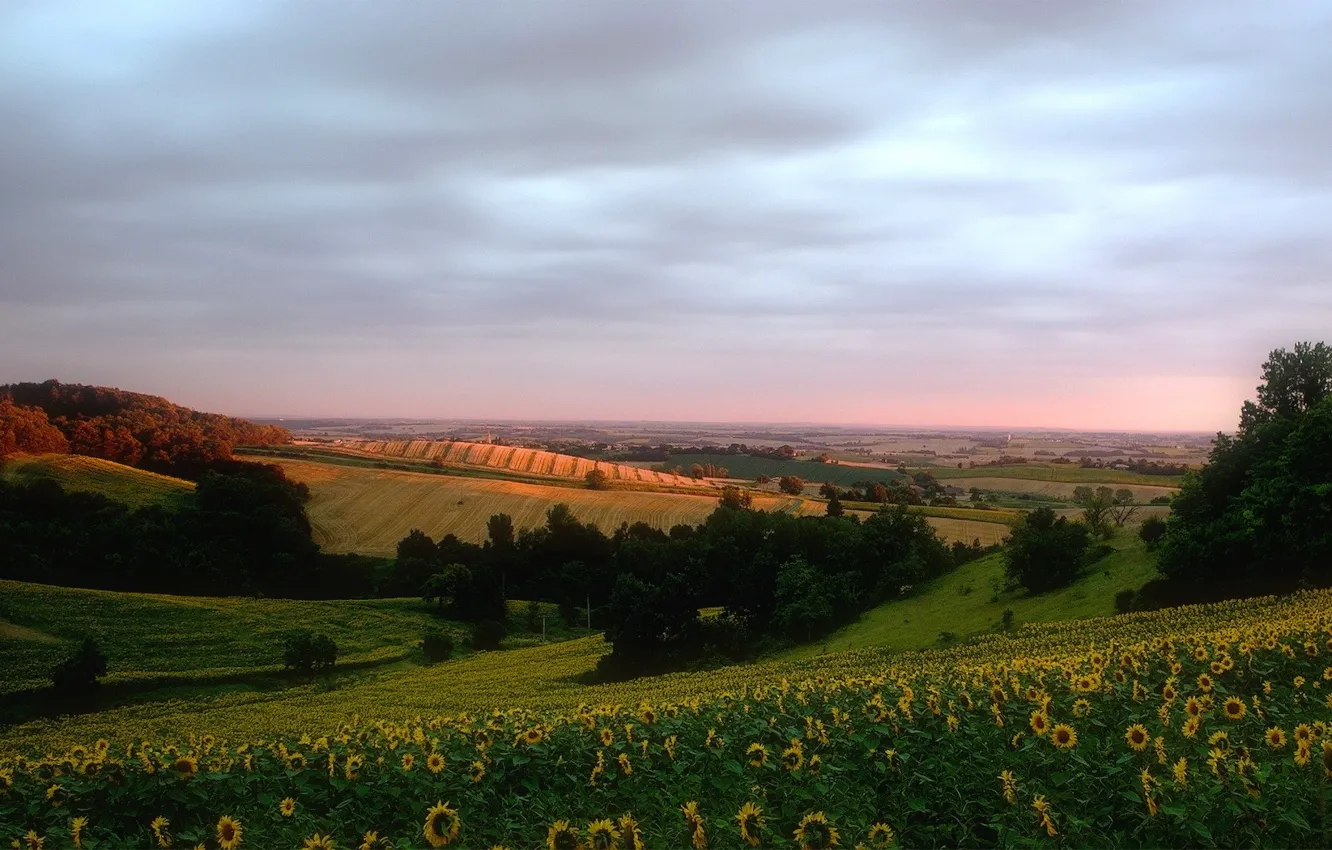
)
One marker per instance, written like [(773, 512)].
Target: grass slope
[(960, 603), (150, 636), (134, 487), (370, 510)]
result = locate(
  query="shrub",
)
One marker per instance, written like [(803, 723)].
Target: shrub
[(487, 634), (1124, 601), (305, 652), (1151, 531), (437, 644), (1045, 552), (79, 673)]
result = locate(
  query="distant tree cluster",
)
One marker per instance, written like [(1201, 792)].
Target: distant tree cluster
[(125, 427)]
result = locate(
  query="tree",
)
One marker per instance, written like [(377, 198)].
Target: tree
[(437, 644), (305, 652), (834, 506), (499, 530), (1096, 506), (445, 585), (487, 634), (736, 499), (1152, 530), (1293, 383), (696, 471), (977, 496), (27, 429), (1256, 517), (598, 480), (791, 484), (77, 675), (1044, 552), (1122, 510), (804, 600)]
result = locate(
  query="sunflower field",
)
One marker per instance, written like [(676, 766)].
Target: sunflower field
[(1201, 726)]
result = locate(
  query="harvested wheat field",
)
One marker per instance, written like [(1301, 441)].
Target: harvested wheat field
[(511, 458), (370, 510), (950, 530)]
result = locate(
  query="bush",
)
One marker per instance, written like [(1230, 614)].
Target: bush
[(1152, 530), (1124, 600), (437, 644), (487, 634), (79, 673), (1045, 552), (305, 652)]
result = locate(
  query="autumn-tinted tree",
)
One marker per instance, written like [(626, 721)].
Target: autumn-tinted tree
[(792, 484), (28, 430)]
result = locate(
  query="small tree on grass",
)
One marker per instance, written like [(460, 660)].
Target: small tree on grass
[(1123, 508), (305, 652), (77, 675), (1045, 552), (736, 499), (598, 480), (791, 484), (487, 634), (1152, 530), (1096, 507), (437, 644)]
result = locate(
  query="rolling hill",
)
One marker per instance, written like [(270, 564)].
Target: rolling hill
[(533, 462), (134, 487)]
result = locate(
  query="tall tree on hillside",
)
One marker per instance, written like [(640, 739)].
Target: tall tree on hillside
[(1257, 514)]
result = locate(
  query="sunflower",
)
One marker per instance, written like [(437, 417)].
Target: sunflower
[(33, 840), (186, 766), (647, 715), (1081, 708), (1276, 737), (1009, 782), (435, 762), (793, 757), (562, 836), (758, 755), (533, 736), (1137, 737), (478, 770), (1234, 708), (1327, 759), (295, 761), (815, 832), (607, 737), (442, 825), (1040, 724), (602, 835), (228, 832), (408, 761), (353, 765), (750, 818), (159, 828), (630, 831), (56, 795), (1303, 732), (1064, 737), (1042, 809), (287, 807), (626, 767), (881, 835), (369, 841), (319, 842), (76, 827)]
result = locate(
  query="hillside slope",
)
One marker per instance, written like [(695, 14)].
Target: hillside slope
[(134, 487), (969, 601), (527, 461), (369, 510)]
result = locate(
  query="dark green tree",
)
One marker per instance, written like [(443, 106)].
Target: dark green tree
[(1045, 552)]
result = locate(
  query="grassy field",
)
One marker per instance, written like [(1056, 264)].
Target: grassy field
[(134, 487), (1142, 493), (369, 510), (951, 524), (190, 637), (749, 468), (966, 603), (1061, 472), (532, 462)]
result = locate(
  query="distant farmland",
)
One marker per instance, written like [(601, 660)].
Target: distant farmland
[(511, 458), (1057, 489), (368, 510)]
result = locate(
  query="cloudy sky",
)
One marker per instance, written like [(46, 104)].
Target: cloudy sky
[(1061, 214)]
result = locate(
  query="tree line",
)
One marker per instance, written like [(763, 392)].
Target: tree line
[(131, 428)]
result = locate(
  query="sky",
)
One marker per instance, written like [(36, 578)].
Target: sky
[(1084, 215)]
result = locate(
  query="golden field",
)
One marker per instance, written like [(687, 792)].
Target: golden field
[(368, 511)]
